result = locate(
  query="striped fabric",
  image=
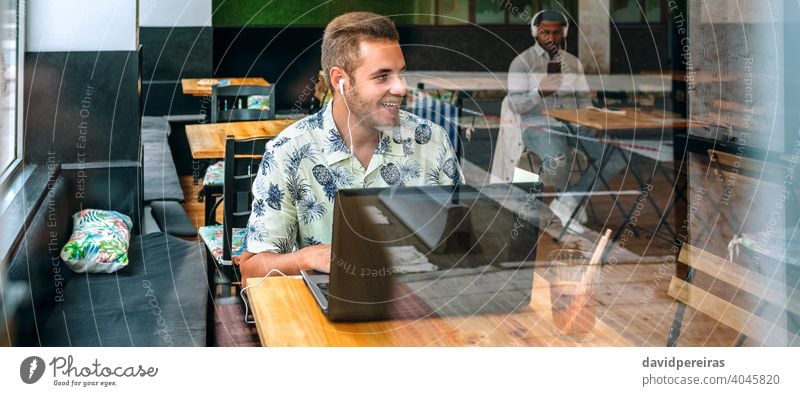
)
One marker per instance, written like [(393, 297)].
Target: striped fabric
[(440, 113)]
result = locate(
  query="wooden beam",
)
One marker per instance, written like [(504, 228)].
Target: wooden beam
[(726, 313), (737, 276), (753, 166)]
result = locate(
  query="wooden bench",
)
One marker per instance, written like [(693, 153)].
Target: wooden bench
[(743, 320), (159, 299), (749, 167)]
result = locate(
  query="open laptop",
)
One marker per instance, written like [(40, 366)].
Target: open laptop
[(432, 251)]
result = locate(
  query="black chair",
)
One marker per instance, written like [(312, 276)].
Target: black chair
[(229, 105), (242, 160)]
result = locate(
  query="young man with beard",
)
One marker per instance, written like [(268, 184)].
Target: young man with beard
[(362, 139), (532, 90)]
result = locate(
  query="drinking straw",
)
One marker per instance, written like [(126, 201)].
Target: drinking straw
[(596, 255), (601, 246)]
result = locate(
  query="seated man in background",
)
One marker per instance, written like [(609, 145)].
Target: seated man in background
[(361, 139), (532, 90)]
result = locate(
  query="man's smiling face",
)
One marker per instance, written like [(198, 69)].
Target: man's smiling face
[(379, 87)]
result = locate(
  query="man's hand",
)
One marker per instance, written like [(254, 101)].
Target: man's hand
[(317, 257), (550, 84), (244, 269), (237, 260)]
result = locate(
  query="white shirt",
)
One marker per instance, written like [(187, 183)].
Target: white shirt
[(526, 72)]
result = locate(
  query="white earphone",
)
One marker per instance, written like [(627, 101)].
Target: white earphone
[(349, 130), (535, 24)]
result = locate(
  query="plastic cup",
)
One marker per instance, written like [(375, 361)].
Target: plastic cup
[(571, 279)]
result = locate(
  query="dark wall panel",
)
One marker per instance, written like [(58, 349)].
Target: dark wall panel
[(107, 186), (639, 48), (165, 97), (288, 58), (81, 107), (291, 57), (168, 55), (175, 53)]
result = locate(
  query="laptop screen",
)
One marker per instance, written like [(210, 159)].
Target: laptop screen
[(412, 252)]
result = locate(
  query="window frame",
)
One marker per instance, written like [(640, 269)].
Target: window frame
[(8, 174), (642, 18), (536, 6)]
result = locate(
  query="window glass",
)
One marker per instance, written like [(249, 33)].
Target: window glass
[(523, 14), (453, 12), (9, 136), (424, 11), (489, 12), (653, 11), (568, 7), (626, 11)]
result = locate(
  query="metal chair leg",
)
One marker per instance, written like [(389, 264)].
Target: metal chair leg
[(528, 154), (675, 329), (643, 185), (221, 279), (582, 169), (679, 195), (598, 169)]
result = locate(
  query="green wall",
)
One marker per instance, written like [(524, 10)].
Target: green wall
[(299, 12)]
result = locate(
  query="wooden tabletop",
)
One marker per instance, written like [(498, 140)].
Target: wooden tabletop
[(207, 141), (465, 84), (190, 86), (286, 314), (606, 121), (704, 77), (723, 120), (491, 82)]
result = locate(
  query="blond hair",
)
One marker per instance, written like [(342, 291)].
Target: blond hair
[(343, 35)]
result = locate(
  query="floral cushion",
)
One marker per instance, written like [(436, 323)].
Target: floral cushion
[(215, 175), (258, 102), (212, 237), (99, 241)]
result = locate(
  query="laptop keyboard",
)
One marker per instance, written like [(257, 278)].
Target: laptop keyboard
[(502, 291), (323, 287)]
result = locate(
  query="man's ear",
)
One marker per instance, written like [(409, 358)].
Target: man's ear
[(336, 74)]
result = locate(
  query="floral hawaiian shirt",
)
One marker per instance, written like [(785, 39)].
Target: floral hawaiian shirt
[(308, 162)]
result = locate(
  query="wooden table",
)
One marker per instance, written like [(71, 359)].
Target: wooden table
[(476, 82), (286, 314), (190, 87), (631, 120), (207, 141), (465, 83), (704, 77), (639, 122)]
